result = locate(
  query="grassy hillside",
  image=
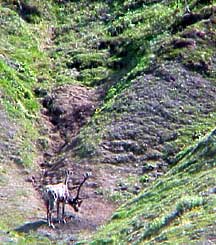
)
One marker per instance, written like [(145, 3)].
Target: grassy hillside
[(120, 86), (178, 208), (156, 104), (22, 62)]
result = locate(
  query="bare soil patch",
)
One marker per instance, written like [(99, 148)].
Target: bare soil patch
[(66, 110)]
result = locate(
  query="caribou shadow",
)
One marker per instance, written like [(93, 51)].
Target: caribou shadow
[(30, 226)]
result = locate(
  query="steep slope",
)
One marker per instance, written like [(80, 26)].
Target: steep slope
[(20, 59), (20, 62), (159, 97), (167, 98), (178, 208), (117, 88)]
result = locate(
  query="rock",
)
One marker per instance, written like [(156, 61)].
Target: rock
[(123, 187), (40, 92), (183, 43), (93, 185), (212, 190), (42, 143), (17, 160), (147, 168), (57, 110), (47, 101)]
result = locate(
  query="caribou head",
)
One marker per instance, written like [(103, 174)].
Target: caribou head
[(75, 202)]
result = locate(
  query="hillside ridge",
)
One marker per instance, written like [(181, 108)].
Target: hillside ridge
[(122, 89)]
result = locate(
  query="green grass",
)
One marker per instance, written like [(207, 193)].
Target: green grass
[(24, 66), (143, 37), (110, 44), (174, 207), (19, 239), (20, 59)]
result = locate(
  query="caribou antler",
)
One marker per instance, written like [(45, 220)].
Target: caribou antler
[(77, 201), (86, 176)]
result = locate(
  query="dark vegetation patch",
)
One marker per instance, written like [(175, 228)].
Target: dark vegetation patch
[(194, 48), (27, 11), (153, 69), (131, 5), (192, 18), (150, 114), (166, 204), (69, 108)]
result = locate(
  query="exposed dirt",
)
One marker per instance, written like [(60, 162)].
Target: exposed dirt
[(148, 116), (19, 201), (96, 207), (19, 192), (95, 210), (152, 110), (66, 110)]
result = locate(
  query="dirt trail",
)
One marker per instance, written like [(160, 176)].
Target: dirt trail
[(66, 110), (97, 207), (94, 211)]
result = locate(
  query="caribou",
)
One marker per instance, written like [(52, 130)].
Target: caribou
[(57, 194)]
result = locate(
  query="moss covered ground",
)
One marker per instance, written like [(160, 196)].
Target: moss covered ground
[(155, 68), (178, 208)]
